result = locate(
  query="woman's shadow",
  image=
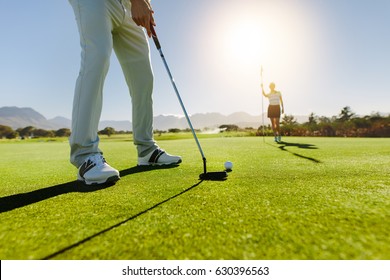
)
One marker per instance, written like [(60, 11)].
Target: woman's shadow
[(283, 145)]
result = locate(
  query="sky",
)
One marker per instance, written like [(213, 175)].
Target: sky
[(323, 55)]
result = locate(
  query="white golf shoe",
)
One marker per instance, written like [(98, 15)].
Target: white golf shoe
[(95, 170), (159, 157)]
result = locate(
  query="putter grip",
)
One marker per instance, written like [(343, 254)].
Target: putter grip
[(154, 36)]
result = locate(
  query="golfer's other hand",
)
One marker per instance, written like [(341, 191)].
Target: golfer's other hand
[(142, 14)]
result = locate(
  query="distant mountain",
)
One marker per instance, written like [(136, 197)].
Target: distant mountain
[(16, 117), (21, 117), (165, 122), (61, 122), (207, 120)]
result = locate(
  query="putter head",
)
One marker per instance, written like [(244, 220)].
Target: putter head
[(214, 176)]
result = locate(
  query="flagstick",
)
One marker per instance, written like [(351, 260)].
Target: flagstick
[(262, 102)]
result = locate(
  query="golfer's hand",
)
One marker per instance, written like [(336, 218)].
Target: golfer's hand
[(142, 14)]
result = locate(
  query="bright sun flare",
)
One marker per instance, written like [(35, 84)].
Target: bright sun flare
[(246, 42), (264, 35), (253, 41)]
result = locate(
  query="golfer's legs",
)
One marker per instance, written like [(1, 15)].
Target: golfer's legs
[(132, 49), (277, 125), (96, 41), (273, 123)]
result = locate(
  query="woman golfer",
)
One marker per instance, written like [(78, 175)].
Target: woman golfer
[(275, 101)]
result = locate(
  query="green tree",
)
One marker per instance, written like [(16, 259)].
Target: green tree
[(7, 132), (346, 114), (28, 131), (43, 133), (312, 124), (325, 126), (63, 132), (344, 125), (174, 130), (312, 119), (107, 131), (288, 125)]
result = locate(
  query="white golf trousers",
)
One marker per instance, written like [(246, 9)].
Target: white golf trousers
[(105, 25)]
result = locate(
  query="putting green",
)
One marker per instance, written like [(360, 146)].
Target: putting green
[(306, 198)]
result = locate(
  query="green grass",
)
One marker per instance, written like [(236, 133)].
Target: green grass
[(314, 198)]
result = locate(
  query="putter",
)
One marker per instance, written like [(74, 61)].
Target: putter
[(216, 176)]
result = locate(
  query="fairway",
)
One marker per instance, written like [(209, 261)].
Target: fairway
[(306, 198)]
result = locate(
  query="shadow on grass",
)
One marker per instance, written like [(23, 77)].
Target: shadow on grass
[(283, 145), (15, 201), (120, 223), (139, 169), (12, 202)]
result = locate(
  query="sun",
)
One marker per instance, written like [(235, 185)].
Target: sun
[(246, 42), (240, 38)]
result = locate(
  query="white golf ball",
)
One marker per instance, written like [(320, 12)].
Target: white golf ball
[(229, 165)]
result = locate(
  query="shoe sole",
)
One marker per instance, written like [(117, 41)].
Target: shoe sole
[(109, 180)]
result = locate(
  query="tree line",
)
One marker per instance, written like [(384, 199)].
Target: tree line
[(346, 124), (32, 132)]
